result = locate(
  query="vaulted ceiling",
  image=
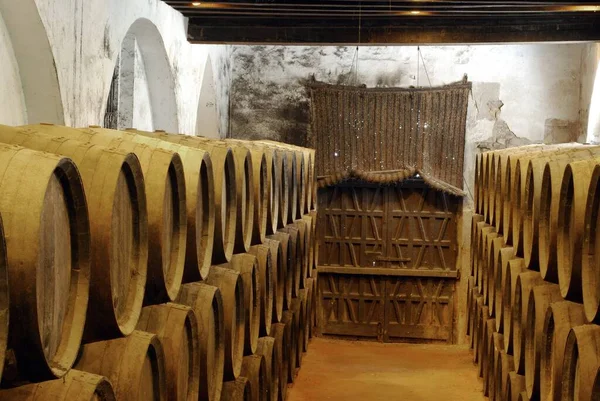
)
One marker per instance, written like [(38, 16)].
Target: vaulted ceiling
[(389, 21)]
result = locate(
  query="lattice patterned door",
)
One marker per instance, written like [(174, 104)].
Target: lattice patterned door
[(387, 261)]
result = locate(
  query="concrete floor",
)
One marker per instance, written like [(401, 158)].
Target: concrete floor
[(342, 370)]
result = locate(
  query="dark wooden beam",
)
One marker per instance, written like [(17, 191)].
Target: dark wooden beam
[(386, 31)]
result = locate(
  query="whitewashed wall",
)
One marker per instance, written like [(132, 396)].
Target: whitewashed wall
[(78, 42)]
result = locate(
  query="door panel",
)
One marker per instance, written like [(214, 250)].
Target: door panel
[(387, 264)]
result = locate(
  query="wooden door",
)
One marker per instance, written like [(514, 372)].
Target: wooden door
[(387, 261)]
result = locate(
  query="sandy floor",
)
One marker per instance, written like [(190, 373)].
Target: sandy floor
[(368, 371)]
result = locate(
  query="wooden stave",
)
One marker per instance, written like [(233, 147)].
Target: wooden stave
[(267, 282), (560, 317), (134, 349), (74, 386), (254, 369), (234, 311), (247, 266), (168, 321), (207, 303), (31, 358)]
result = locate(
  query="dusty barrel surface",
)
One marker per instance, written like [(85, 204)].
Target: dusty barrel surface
[(287, 279), (135, 365), (510, 288), (114, 185), (309, 248), (247, 266), (524, 286), (299, 312), (497, 252), (477, 218), (237, 390), (244, 178), (280, 333), (4, 301), (310, 174), (267, 282), (234, 312), (571, 221), (304, 239), (315, 261), (254, 369), (295, 265), (560, 317), (499, 282), (302, 179), (504, 366), (273, 188), (74, 386), (487, 355), (207, 303), (166, 204), (290, 155), (514, 386), (177, 329), (48, 259), (581, 364), (590, 274), (494, 352), (200, 202), (278, 278), (266, 349), (541, 298)]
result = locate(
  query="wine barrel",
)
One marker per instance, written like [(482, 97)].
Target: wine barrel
[(477, 318), (254, 369), (309, 246), (541, 298), (287, 254), (114, 183), (177, 329), (4, 300), (508, 296), (285, 170), (262, 188), (308, 313), (470, 299), (477, 218), (135, 365), (278, 278), (302, 179), (477, 246), (224, 179), (290, 353), (274, 186), (499, 281), (299, 311), (303, 238), (247, 266), (494, 353), (295, 266), (166, 204), (477, 185), (207, 303), (525, 283), (74, 386), (281, 335), (234, 314), (237, 390), (42, 201), (267, 282), (290, 155), (504, 366), (498, 253), (200, 202), (571, 221), (266, 349), (581, 364), (487, 264), (487, 235), (314, 215), (514, 386), (244, 179), (310, 181), (487, 354), (590, 274), (485, 185), (560, 317)]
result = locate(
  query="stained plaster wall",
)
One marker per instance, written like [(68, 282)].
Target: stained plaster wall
[(521, 94), (83, 39)]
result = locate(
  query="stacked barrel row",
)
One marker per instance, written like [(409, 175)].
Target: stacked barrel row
[(152, 266), (533, 299)]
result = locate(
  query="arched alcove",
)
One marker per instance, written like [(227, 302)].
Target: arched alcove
[(28, 61), (207, 119), (593, 128), (142, 93)]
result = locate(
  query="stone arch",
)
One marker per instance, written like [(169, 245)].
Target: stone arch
[(35, 60), (143, 44), (207, 118)]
